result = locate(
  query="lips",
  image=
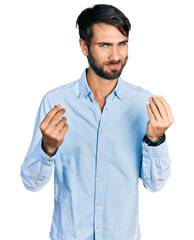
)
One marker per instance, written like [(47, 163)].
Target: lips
[(113, 66)]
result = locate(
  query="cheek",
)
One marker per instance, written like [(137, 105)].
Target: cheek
[(101, 56), (124, 52)]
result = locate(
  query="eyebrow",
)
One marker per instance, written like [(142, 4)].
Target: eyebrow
[(109, 44)]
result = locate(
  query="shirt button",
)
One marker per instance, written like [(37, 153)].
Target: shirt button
[(100, 155), (98, 227), (97, 108), (98, 204), (145, 149), (99, 180), (101, 132)]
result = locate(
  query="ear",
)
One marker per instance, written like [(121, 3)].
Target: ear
[(83, 46)]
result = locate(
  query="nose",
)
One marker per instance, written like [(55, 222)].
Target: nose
[(114, 54)]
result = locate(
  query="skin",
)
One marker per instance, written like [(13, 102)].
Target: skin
[(113, 52), (161, 117), (109, 50), (53, 130)]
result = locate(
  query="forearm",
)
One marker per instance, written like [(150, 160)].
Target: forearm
[(155, 168), (37, 169)]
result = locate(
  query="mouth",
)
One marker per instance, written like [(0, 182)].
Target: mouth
[(113, 66)]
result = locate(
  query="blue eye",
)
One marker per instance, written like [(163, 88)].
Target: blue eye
[(104, 45), (123, 44)]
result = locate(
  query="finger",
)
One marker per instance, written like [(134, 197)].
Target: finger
[(61, 124), (150, 113), (51, 113), (167, 106), (154, 109), (64, 129), (161, 108), (53, 122)]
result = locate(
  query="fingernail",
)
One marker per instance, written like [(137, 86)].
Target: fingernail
[(160, 96)]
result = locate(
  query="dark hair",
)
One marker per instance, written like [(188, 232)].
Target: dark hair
[(101, 13)]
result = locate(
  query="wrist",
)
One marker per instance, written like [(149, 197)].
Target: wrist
[(152, 139), (157, 141), (47, 149)]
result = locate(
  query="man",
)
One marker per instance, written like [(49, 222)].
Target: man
[(108, 138)]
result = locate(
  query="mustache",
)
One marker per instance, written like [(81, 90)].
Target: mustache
[(113, 62), (116, 62)]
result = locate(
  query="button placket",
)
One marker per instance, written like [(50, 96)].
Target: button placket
[(100, 188), (100, 166)]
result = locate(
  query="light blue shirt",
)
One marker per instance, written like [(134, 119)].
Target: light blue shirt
[(97, 168)]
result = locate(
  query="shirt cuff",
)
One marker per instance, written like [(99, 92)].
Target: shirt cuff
[(43, 157), (155, 151)]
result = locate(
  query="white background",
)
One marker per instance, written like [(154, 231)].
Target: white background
[(39, 50)]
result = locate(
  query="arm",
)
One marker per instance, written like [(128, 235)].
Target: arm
[(155, 167), (37, 167)]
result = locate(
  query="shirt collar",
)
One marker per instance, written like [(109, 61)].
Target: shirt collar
[(84, 89)]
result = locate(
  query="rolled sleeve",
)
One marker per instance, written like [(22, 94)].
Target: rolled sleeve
[(37, 168), (43, 157), (155, 168)]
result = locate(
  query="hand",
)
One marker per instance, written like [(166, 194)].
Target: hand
[(160, 116), (53, 130)]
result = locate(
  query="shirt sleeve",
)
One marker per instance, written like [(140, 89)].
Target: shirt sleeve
[(37, 167), (155, 166)]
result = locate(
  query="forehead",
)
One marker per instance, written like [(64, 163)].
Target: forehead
[(107, 33)]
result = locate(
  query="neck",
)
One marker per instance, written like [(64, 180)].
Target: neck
[(100, 87)]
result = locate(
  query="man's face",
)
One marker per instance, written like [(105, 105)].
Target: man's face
[(108, 51)]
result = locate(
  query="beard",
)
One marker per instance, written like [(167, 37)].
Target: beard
[(99, 70)]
